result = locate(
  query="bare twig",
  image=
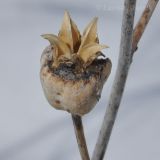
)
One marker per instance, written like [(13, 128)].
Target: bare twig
[(78, 127), (142, 23), (119, 81), (121, 75)]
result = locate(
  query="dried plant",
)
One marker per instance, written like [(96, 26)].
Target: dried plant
[(73, 72)]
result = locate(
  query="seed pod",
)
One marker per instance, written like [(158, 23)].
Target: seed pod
[(72, 73), (66, 90)]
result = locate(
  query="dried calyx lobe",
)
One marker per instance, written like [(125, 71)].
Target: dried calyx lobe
[(71, 46)]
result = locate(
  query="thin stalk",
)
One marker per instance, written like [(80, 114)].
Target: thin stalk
[(120, 79), (78, 127), (142, 23)]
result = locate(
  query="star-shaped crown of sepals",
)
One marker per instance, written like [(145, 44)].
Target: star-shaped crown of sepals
[(70, 45)]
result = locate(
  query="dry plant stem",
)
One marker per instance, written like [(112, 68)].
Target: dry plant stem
[(119, 81), (78, 127), (142, 23)]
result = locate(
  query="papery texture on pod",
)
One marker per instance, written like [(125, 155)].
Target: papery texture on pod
[(66, 90)]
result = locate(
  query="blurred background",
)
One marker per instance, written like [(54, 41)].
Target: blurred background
[(30, 128)]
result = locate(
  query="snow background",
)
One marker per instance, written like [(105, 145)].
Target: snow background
[(31, 129)]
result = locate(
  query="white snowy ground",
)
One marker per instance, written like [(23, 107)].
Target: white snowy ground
[(29, 128)]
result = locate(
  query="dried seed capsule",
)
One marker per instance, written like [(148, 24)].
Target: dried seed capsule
[(72, 74), (68, 90)]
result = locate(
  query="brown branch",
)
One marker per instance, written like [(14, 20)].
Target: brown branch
[(142, 23), (124, 63), (78, 127)]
